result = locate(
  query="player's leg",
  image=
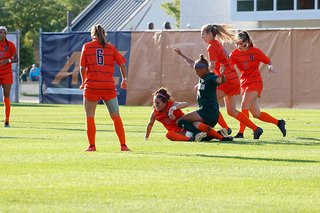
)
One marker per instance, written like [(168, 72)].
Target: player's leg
[(174, 136), (248, 100), (90, 109), (113, 108), (263, 116), (6, 101), (221, 121)]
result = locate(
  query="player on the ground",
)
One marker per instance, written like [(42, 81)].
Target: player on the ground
[(167, 112), (96, 68), (247, 58), (206, 117), (7, 50)]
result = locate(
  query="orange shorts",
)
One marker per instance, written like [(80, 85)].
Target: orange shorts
[(230, 87), (252, 87), (97, 95), (6, 78)]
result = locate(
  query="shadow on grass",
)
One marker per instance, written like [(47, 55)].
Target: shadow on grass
[(315, 142), (259, 159)]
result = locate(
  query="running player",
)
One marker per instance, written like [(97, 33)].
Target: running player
[(207, 115), (7, 50), (217, 56), (96, 68), (167, 112), (247, 58)]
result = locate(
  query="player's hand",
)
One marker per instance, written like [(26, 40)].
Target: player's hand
[(271, 70), (222, 69), (171, 116), (81, 86), (178, 51), (4, 61), (196, 87), (124, 84)]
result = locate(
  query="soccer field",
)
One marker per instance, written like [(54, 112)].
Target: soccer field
[(43, 168)]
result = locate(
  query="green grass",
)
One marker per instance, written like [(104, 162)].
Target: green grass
[(43, 168)]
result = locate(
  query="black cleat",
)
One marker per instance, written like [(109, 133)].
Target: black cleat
[(229, 138), (6, 124), (239, 135), (281, 124), (257, 133)]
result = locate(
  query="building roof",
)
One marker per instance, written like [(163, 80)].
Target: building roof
[(113, 15)]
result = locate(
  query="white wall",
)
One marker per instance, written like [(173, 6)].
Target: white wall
[(157, 16), (198, 13)]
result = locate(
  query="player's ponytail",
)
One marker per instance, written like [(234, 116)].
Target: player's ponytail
[(98, 33), (225, 33)]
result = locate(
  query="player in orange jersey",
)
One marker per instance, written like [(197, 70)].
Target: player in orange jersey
[(7, 50), (248, 58), (96, 68), (218, 55), (167, 112)]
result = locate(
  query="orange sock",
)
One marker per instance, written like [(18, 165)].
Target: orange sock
[(242, 126), (176, 137), (246, 121), (268, 118), (222, 122), (118, 127), (91, 131), (211, 132), (7, 108)]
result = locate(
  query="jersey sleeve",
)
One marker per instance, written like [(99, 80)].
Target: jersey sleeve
[(263, 58), (83, 58), (118, 58), (212, 53), (12, 49)]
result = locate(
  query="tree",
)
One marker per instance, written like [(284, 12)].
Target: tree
[(172, 9), (30, 15)]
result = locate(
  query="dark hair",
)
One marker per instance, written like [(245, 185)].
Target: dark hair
[(163, 91), (225, 33), (98, 32), (202, 60), (245, 37)]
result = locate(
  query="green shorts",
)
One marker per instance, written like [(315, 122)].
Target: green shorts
[(209, 115), (112, 105)]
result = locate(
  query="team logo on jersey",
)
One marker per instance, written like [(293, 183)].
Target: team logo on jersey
[(5, 48), (1, 54), (202, 86)]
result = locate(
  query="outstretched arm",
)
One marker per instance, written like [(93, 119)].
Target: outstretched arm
[(271, 70), (149, 126), (186, 58)]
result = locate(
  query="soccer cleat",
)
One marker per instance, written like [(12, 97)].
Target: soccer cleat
[(90, 149), (229, 131), (257, 133), (229, 138), (6, 124), (223, 132), (281, 124), (200, 135), (239, 135), (124, 148)]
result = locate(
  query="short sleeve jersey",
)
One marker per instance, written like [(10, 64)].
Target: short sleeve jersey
[(216, 52), (207, 91), (163, 117), (99, 62), (6, 53), (248, 64)]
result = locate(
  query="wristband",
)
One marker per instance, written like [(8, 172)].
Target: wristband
[(126, 78), (174, 108), (270, 66), (9, 60)]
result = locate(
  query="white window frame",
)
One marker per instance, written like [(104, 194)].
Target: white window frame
[(274, 15)]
